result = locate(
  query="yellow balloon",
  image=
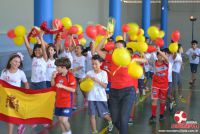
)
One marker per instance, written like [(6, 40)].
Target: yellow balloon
[(173, 47), (135, 70), (33, 40), (80, 29), (142, 47), (18, 41), (121, 56), (161, 34), (140, 32), (67, 23), (119, 37), (141, 38), (132, 45), (133, 37), (87, 85), (98, 39), (20, 30), (153, 32), (83, 41), (133, 28)]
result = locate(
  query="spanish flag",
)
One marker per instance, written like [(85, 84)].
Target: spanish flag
[(26, 106)]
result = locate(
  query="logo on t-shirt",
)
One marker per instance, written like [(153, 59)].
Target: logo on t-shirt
[(61, 81), (194, 56)]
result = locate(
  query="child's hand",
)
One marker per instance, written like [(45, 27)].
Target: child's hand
[(59, 85)]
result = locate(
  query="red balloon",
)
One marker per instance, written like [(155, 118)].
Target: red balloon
[(57, 23), (100, 29), (91, 31), (73, 30), (76, 41), (109, 46), (11, 34), (176, 36), (125, 28), (151, 49), (160, 42), (80, 36)]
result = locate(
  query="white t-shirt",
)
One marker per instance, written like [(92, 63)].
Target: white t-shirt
[(51, 67), (39, 67), (66, 54), (151, 58), (177, 63), (191, 53), (171, 62), (79, 62), (98, 93), (14, 79), (88, 61)]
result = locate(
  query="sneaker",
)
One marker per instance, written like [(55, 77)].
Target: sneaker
[(74, 108), (21, 129), (95, 132), (130, 122), (152, 119), (110, 126), (183, 100), (45, 125), (34, 125), (162, 117)]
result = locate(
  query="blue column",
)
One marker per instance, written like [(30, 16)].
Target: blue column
[(146, 16), (43, 11), (115, 12), (164, 20)]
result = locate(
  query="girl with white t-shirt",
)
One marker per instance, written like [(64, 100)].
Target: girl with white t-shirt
[(14, 76), (39, 63), (79, 69), (51, 67)]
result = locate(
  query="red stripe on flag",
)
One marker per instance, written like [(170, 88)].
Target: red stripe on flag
[(27, 91), (15, 120)]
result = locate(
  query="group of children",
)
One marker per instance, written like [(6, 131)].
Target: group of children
[(64, 67)]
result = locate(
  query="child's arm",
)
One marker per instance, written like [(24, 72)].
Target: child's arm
[(53, 78), (163, 55), (140, 60), (104, 85), (30, 50), (65, 87), (99, 47), (43, 47), (26, 85)]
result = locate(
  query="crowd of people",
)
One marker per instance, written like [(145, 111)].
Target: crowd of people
[(115, 92)]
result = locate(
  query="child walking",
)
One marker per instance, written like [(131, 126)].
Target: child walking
[(97, 99), (159, 85), (65, 84)]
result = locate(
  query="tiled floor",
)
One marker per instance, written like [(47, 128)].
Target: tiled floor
[(80, 119)]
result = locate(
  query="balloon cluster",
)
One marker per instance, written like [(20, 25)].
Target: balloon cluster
[(17, 34), (173, 47)]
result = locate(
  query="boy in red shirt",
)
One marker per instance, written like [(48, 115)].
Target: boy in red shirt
[(159, 85), (65, 84)]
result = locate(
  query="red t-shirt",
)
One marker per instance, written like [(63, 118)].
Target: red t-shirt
[(106, 66), (64, 97), (119, 75), (160, 77)]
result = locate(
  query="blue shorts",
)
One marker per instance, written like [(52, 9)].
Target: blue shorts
[(193, 67), (149, 75), (99, 108), (67, 112), (48, 84)]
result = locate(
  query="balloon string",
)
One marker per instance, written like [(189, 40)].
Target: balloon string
[(116, 70)]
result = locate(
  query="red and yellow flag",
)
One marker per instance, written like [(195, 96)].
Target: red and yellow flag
[(26, 106)]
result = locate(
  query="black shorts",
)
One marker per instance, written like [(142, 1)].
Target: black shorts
[(193, 67)]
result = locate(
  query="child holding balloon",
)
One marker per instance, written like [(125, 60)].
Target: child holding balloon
[(39, 63), (97, 99)]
